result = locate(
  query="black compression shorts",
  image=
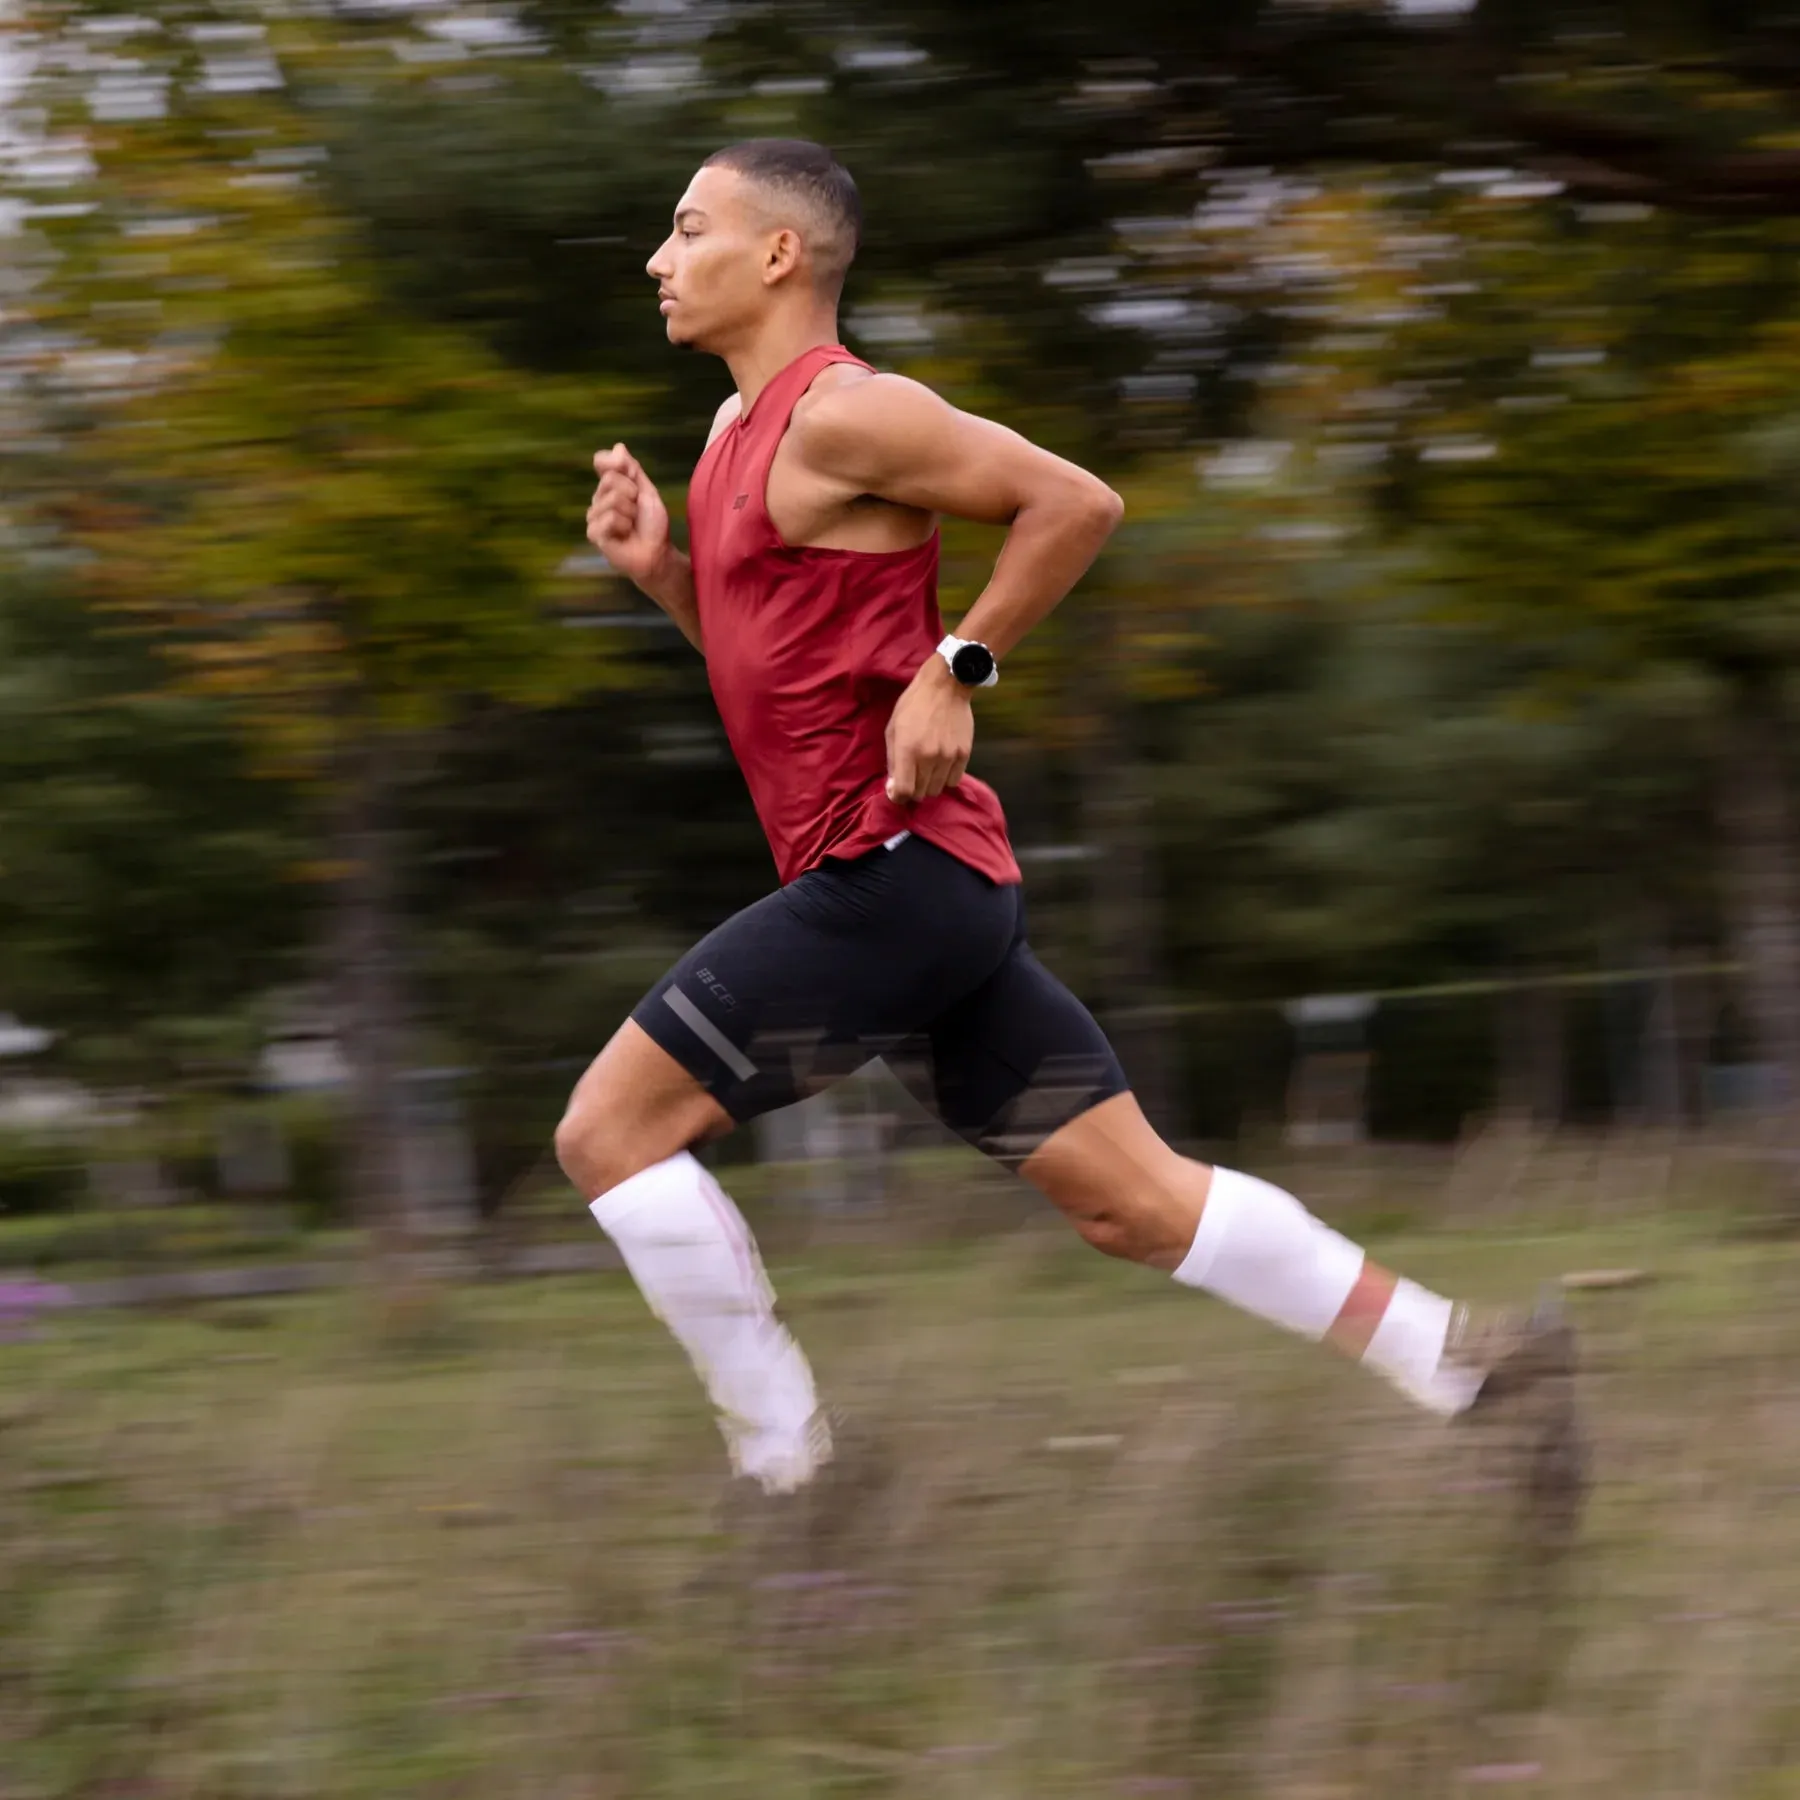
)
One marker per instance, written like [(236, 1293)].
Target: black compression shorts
[(905, 954)]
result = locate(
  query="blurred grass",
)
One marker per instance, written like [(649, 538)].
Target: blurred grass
[(1500, 1180), (1129, 1544), (96, 1243)]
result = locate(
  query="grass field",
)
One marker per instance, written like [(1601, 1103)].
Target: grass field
[(1126, 1543)]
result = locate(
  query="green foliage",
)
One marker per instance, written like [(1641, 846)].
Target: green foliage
[(145, 879), (39, 1173), (333, 516), (1595, 466), (313, 361)]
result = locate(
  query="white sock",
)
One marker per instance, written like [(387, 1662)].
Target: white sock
[(1259, 1248), (694, 1260), (1408, 1348)]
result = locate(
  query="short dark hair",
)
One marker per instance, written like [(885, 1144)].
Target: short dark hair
[(808, 173)]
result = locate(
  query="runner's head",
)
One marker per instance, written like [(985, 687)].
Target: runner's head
[(765, 226)]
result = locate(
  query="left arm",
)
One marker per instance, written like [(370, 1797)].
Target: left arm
[(891, 437)]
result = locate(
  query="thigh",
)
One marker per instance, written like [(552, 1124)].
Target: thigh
[(1017, 1059), (807, 985)]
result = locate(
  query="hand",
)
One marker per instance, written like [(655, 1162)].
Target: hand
[(627, 521), (929, 735)]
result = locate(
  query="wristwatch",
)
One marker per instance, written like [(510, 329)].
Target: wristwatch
[(971, 663)]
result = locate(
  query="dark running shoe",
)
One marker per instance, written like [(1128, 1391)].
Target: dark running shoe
[(1527, 1409)]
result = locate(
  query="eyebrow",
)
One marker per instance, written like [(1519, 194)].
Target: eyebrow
[(688, 212)]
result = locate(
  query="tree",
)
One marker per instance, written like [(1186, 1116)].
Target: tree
[(337, 520), (146, 879), (359, 263), (1586, 433)]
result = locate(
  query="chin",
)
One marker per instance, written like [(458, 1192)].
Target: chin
[(681, 337)]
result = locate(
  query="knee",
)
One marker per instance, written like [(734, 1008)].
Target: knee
[(1127, 1192), (1113, 1232), (601, 1140), (582, 1140), (1151, 1221)]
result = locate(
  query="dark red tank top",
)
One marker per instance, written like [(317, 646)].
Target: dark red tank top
[(807, 651)]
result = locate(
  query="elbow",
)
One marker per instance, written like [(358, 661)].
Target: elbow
[(1105, 508), (1083, 507)]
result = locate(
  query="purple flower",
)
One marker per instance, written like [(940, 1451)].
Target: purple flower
[(801, 1580), (20, 1304)]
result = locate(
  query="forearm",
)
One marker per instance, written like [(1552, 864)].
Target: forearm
[(671, 586), (1049, 546)]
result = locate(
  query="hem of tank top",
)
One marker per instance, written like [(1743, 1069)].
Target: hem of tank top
[(1016, 879)]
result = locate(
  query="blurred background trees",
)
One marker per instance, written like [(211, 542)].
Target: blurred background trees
[(1444, 355)]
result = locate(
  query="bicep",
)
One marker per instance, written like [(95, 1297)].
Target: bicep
[(903, 443)]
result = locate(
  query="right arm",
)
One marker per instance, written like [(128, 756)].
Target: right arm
[(629, 525), (671, 586)]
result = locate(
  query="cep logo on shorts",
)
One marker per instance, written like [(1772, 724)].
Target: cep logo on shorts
[(714, 986)]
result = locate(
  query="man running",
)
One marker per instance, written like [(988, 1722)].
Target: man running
[(899, 931)]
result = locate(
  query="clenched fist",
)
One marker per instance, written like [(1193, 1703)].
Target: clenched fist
[(929, 735), (627, 521)]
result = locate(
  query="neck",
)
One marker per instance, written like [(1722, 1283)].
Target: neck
[(755, 364)]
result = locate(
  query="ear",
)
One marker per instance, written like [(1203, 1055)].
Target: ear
[(781, 256)]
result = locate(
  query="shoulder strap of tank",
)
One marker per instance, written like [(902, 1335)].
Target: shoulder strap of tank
[(775, 404)]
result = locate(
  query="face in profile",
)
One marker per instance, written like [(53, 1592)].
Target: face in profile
[(713, 270)]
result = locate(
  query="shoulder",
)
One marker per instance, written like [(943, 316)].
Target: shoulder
[(836, 418), (726, 415)]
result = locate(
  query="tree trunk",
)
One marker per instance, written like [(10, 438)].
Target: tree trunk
[(1659, 1077), (370, 1009), (1696, 1025), (1127, 933), (1128, 960), (1756, 843), (1532, 1056)]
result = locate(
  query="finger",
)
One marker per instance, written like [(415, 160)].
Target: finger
[(615, 458), (902, 775), (615, 483), (615, 499), (628, 466), (611, 525), (958, 769), (613, 506)]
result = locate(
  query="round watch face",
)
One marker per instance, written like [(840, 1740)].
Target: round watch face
[(972, 664)]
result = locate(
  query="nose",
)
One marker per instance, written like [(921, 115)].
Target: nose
[(657, 268)]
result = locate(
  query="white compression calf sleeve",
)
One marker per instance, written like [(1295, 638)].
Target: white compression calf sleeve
[(696, 1263), (1259, 1248)]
